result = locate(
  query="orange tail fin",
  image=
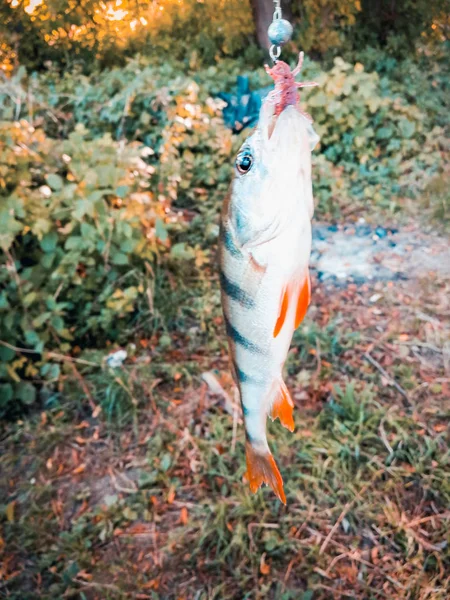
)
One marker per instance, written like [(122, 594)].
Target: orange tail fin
[(262, 468), (283, 407)]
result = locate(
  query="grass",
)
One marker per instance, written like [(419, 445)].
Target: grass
[(143, 497)]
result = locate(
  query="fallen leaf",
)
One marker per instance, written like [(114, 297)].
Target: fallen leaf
[(263, 566), (79, 469), (184, 516), (171, 495), (439, 427), (9, 511)]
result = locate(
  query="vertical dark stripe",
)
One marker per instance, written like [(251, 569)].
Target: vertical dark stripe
[(240, 339), (228, 242), (233, 291)]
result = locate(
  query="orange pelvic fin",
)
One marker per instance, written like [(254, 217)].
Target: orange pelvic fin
[(282, 314), (262, 468), (283, 408), (304, 299)]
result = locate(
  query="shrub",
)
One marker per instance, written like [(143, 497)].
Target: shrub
[(383, 144), (92, 32), (79, 231)]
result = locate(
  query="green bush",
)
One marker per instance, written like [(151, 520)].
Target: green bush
[(80, 231), (384, 146)]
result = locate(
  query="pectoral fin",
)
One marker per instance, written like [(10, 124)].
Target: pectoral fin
[(304, 299), (287, 297), (284, 305)]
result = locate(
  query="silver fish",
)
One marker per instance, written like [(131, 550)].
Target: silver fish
[(265, 244)]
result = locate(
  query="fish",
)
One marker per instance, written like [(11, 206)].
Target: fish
[(264, 250)]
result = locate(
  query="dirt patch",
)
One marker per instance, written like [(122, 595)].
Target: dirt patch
[(360, 253)]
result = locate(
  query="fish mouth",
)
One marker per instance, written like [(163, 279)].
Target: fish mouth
[(276, 129), (269, 119)]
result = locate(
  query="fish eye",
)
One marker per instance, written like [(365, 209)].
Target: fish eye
[(244, 161)]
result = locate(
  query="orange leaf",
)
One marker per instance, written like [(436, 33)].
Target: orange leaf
[(184, 516), (171, 495), (440, 427), (79, 469), (263, 566)]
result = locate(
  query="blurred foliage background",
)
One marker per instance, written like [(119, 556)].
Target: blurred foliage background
[(114, 156)]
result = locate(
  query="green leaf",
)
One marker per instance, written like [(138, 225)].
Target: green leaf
[(127, 246), (32, 338), (6, 393), (147, 479), (384, 133), (57, 322), (88, 231), (407, 128), (6, 354), (29, 298), (4, 304), (118, 258), (166, 461), (122, 190), (65, 334), (55, 181), (49, 242), (83, 207), (74, 242), (50, 371), (47, 260), (41, 319), (70, 572), (182, 251), (160, 230), (26, 392)]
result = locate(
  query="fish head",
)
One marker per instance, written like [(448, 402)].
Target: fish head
[(272, 175)]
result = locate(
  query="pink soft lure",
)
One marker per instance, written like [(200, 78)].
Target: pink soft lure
[(286, 88)]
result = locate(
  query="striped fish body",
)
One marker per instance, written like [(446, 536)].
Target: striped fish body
[(265, 245)]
